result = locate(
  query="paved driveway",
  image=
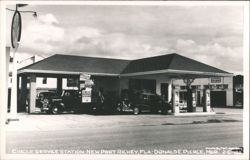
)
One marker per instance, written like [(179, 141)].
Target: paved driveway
[(44, 122)]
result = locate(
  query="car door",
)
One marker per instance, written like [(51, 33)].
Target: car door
[(155, 103), (145, 103)]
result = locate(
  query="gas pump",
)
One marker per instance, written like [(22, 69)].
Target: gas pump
[(176, 100), (190, 97), (206, 107), (194, 101), (86, 95)]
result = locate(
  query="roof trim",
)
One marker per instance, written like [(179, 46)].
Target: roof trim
[(128, 74), (64, 72), (176, 71)]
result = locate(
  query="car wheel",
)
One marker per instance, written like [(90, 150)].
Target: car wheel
[(118, 109), (136, 111), (55, 110)]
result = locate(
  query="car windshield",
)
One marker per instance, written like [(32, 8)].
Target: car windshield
[(70, 93)]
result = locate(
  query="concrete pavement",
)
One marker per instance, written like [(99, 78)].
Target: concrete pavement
[(43, 122), (149, 137)]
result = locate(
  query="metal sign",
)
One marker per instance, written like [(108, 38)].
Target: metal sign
[(86, 87), (216, 80), (86, 96), (82, 85), (89, 83), (86, 84), (84, 76), (16, 28)]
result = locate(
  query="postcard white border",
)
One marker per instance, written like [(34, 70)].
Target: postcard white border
[(3, 93)]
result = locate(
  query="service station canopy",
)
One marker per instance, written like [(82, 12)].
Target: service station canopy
[(170, 65)]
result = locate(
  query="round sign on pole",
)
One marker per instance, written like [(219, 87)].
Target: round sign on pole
[(16, 28)]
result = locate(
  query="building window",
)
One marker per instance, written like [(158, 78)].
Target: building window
[(225, 86), (72, 82), (183, 87), (206, 86), (44, 80)]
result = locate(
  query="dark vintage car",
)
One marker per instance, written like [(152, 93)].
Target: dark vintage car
[(104, 103), (143, 101), (71, 99), (51, 102)]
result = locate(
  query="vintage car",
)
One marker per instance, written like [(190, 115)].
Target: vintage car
[(143, 101), (71, 99), (53, 103), (49, 102)]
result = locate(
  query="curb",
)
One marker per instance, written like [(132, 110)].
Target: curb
[(195, 114)]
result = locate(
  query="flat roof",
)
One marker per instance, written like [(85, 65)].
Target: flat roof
[(168, 63)]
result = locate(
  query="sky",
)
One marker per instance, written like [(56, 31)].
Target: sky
[(209, 34)]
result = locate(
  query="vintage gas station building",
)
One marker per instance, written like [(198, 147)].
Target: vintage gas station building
[(167, 75)]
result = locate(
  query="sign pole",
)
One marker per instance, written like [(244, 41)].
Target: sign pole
[(13, 105), (16, 29)]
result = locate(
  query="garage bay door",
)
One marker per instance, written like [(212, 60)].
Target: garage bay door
[(218, 98)]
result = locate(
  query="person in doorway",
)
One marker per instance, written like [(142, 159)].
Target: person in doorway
[(100, 95), (100, 99), (170, 105)]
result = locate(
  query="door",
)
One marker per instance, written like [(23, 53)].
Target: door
[(218, 98), (198, 100), (164, 90)]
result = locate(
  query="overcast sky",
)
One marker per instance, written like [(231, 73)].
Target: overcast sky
[(210, 34)]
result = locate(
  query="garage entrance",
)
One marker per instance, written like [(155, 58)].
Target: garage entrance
[(164, 90), (218, 98)]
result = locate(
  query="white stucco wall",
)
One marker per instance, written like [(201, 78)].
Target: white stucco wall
[(158, 84), (52, 83), (207, 81), (229, 93)]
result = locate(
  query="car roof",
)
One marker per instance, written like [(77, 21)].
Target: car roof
[(48, 92), (70, 90)]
